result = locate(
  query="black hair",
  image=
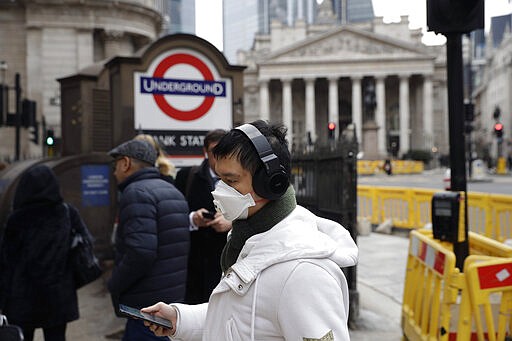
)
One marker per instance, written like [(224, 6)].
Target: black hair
[(236, 143), (213, 136)]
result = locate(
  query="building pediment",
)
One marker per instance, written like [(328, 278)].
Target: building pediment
[(347, 44)]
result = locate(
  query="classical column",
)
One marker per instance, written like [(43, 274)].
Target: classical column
[(310, 108), (334, 115), (310, 11), (357, 116), (264, 100), (300, 10), (428, 114), (380, 115), (266, 17), (287, 107), (404, 114), (289, 12)]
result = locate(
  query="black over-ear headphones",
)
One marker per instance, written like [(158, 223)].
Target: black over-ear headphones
[(270, 181)]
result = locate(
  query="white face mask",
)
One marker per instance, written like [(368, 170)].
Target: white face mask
[(231, 203)]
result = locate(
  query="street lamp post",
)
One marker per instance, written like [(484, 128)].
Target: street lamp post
[(3, 90), (17, 87)]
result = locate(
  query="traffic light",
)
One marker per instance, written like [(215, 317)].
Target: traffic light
[(50, 139), (455, 16), (332, 128), (497, 113), (34, 133), (498, 129), (28, 113), (469, 111)]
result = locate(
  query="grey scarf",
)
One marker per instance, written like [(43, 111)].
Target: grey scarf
[(263, 220)]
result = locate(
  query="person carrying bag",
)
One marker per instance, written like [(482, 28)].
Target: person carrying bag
[(85, 265), (9, 332), (37, 284)]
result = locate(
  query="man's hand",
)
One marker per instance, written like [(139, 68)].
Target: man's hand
[(161, 310), (199, 219), (220, 224)]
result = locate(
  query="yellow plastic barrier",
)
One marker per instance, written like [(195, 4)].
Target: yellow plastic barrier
[(478, 216), (396, 203), (365, 167), (370, 167), (489, 280), (422, 201), (367, 204), (441, 303), (431, 288), (501, 216), (482, 245), (488, 214)]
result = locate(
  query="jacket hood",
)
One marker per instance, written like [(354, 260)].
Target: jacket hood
[(300, 235), (38, 185)]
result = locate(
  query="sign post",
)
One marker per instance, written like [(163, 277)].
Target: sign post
[(453, 18)]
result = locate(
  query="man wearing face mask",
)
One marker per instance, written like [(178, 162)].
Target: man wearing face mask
[(277, 257)]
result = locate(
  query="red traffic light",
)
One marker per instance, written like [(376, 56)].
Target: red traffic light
[(331, 126), (498, 129)]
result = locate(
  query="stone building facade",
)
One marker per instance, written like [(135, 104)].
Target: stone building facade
[(493, 91), (309, 75), (44, 40)]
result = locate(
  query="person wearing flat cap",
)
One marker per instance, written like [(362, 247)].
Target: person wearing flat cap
[(152, 239)]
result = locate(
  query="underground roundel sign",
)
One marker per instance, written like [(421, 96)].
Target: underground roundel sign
[(182, 85)]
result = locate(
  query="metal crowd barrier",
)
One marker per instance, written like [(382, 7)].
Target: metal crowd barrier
[(441, 303), (410, 208)]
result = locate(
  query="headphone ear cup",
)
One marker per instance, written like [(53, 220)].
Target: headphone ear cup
[(258, 183), (278, 183), (270, 187)]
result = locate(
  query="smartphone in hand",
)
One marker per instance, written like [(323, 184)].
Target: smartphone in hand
[(209, 215), (137, 314)]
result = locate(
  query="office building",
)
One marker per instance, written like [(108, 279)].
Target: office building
[(179, 17)]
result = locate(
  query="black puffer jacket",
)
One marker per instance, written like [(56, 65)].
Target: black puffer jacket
[(37, 288), (152, 242)]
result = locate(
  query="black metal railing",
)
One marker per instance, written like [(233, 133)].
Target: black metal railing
[(325, 182)]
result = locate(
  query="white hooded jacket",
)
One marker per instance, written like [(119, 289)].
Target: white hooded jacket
[(286, 285)]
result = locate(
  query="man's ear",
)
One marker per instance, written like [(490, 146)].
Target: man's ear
[(125, 163)]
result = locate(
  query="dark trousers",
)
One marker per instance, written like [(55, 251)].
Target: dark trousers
[(135, 330), (204, 270), (57, 333)]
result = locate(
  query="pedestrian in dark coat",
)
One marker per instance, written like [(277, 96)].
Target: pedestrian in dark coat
[(208, 236), (152, 238), (37, 287)]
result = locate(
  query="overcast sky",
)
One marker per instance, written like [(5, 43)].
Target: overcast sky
[(209, 16)]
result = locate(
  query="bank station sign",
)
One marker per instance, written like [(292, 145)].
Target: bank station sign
[(179, 99)]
